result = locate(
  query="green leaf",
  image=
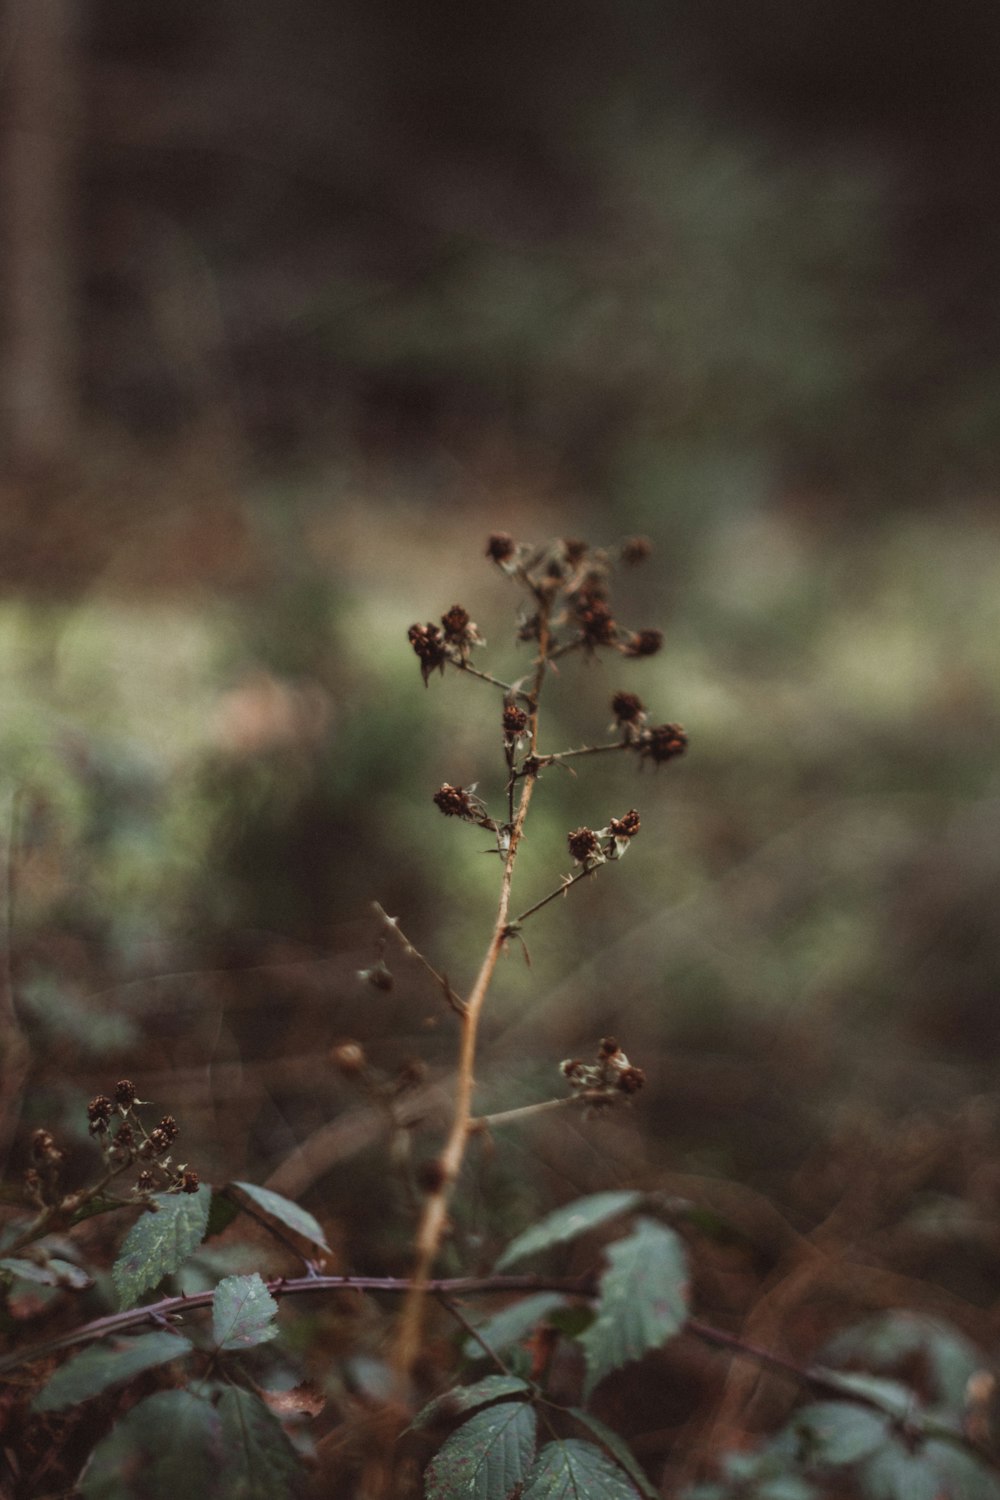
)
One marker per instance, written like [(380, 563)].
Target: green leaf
[(574, 1470), (158, 1243), (618, 1449), (513, 1323), (259, 1461), (487, 1458), (224, 1211), (932, 1471), (841, 1432), (243, 1313), (168, 1445), (105, 1365), (53, 1272), (643, 1300), (888, 1343), (465, 1398), (567, 1223), (895, 1398), (283, 1211)]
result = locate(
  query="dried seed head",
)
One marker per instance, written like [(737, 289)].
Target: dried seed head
[(156, 1143), (429, 645), (625, 827), (573, 1068), (189, 1182), (662, 743), (170, 1127), (628, 708), (124, 1093), (99, 1113), (455, 802), (500, 546), (609, 1048), (145, 1181), (643, 643), (515, 721), (124, 1137), (631, 1079), (584, 845), (597, 623), (459, 630), (635, 549)]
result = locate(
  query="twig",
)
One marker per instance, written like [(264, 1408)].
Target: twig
[(561, 755), (392, 923), (568, 880), (482, 1123), (511, 689), (435, 1215)]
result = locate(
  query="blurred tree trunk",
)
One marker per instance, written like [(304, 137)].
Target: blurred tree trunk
[(39, 144)]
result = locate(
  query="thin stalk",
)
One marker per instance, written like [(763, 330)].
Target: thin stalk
[(551, 760), (434, 1218), (561, 890), (392, 923)]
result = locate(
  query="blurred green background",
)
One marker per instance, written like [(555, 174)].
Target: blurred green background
[(301, 302)]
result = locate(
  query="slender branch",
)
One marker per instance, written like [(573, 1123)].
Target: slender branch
[(561, 890), (392, 923), (171, 1309), (511, 689), (482, 1123), (561, 755), (434, 1219)]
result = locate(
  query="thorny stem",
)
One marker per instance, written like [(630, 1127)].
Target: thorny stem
[(561, 890), (434, 1219), (170, 1311), (510, 689), (392, 923), (554, 760)]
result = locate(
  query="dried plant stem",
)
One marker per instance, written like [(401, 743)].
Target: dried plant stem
[(434, 1218), (569, 880), (526, 1111), (392, 923), (561, 755)]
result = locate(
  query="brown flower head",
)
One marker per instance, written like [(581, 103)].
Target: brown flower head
[(189, 1182), (628, 709), (515, 721), (500, 546), (635, 549), (626, 827), (145, 1181), (459, 630), (662, 743), (631, 1079), (429, 645), (99, 1113), (124, 1093), (455, 802), (585, 846), (169, 1127), (157, 1142), (643, 643), (597, 623)]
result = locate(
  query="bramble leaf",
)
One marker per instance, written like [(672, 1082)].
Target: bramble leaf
[(571, 1469), (511, 1324), (618, 1448), (259, 1461), (105, 1365), (467, 1398), (643, 1300), (567, 1223), (283, 1211), (487, 1458), (243, 1313), (53, 1272), (158, 1243), (168, 1445)]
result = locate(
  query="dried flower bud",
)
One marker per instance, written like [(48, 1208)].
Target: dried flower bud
[(99, 1113), (643, 643), (626, 827), (156, 1144), (459, 630), (628, 708), (585, 846), (631, 1079), (124, 1137), (349, 1058), (573, 1068), (635, 549), (609, 1048), (124, 1093), (189, 1182), (145, 1181), (515, 721), (597, 623), (429, 645), (662, 743), (500, 546), (170, 1127), (43, 1145), (455, 802)]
